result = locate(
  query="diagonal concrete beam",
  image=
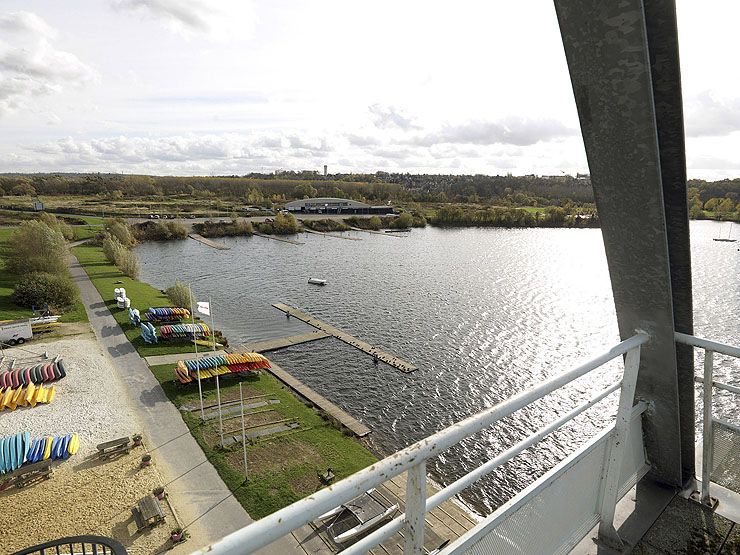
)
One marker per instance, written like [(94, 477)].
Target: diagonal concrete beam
[(606, 47)]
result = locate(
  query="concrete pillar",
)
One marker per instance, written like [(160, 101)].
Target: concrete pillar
[(606, 46)]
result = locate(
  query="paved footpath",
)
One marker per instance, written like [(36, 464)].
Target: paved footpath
[(200, 497)]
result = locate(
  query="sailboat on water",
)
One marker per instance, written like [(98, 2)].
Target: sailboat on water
[(726, 239)]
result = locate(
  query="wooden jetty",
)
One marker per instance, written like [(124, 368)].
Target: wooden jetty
[(307, 230), (376, 232), (275, 344), (208, 242), (296, 385), (348, 339), (447, 522), (283, 239)]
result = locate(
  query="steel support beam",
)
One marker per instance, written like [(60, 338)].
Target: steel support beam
[(662, 34), (606, 47)]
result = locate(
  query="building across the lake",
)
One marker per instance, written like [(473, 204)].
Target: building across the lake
[(335, 206)]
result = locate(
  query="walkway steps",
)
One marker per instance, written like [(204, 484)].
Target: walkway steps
[(275, 344), (402, 365), (283, 239), (208, 242), (307, 230), (356, 426)]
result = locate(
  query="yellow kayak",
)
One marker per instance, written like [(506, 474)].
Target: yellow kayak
[(47, 448), (74, 444)]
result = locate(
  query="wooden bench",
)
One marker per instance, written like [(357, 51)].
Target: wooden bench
[(29, 473), (328, 477), (148, 512), (115, 447)]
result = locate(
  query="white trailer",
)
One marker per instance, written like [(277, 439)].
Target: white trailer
[(15, 331)]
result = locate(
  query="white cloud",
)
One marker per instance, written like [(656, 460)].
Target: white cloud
[(222, 20), (389, 117), (32, 67), (708, 115)]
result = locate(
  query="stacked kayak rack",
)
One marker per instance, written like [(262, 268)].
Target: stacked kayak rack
[(19, 449), (167, 314), (148, 333), (24, 386), (187, 370), (184, 331)]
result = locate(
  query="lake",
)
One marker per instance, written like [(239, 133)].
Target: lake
[(483, 313)]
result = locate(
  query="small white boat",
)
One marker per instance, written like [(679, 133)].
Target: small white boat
[(336, 510), (317, 281), (361, 514)]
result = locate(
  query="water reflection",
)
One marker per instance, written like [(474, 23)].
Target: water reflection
[(483, 313)]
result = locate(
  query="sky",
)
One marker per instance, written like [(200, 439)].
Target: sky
[(222, 87)]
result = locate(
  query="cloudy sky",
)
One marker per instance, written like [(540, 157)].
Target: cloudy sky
[(199, 87)]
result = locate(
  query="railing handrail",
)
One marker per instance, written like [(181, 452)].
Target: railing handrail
[(707, 344), (272, 527), (109, 545), (719, 385)]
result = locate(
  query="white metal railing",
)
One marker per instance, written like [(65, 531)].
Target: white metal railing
[(413, 459), (710, 347)]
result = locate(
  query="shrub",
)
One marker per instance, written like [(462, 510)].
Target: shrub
[(40, 288), (284, 224), (179, 294), (35, 247), (159, 231), (111, 247), (120, 230), (128, 263)]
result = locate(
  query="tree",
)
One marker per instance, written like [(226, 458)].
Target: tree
[(23, 189), (111, 247), (40, 288), (375, 223), (711, 204), (128, 263), (121, 231), (35, 247), (179, 294), (726, 206), (304, 190)]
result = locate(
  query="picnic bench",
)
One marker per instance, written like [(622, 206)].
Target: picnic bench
[(28, 474), (147, 512), (328, 477), (119, 446)]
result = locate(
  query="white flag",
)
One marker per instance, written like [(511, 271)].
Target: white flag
[(204, 308)]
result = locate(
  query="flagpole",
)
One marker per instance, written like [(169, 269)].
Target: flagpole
[(197, 363), (218, 389), (244, 439)]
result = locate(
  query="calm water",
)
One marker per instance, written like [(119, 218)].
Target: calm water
[(483, 313)]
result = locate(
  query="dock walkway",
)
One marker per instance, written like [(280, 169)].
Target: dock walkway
[(376, 232), (402, 365), (208, 242), (281, 343), (283, 239), (307, 230), (356, 426)]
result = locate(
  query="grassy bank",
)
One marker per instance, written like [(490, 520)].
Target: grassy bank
[(11, 311), (280, 470), (106, 277)]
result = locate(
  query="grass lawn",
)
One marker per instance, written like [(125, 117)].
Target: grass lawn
[(86, 232), (106, 277), (281, 470), (11, 311)]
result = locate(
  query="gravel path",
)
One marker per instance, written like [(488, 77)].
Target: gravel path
[(89, 401)]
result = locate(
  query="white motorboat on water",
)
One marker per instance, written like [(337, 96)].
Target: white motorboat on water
[(361, 514), (317, 281)]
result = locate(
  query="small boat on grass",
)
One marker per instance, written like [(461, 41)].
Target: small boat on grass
[(316, 281), (360, 515)]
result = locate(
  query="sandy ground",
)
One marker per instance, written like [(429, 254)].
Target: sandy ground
[(90, 401), (84, 495)]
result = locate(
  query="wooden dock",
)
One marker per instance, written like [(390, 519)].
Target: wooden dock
[(307, 230), (208, 242), (376, 232), (275, 344), (402, 365), (449, 521), (283, 239), (296, 385)]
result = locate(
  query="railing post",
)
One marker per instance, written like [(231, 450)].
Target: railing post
[(615, 452), (416, 501), (706, 464)]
